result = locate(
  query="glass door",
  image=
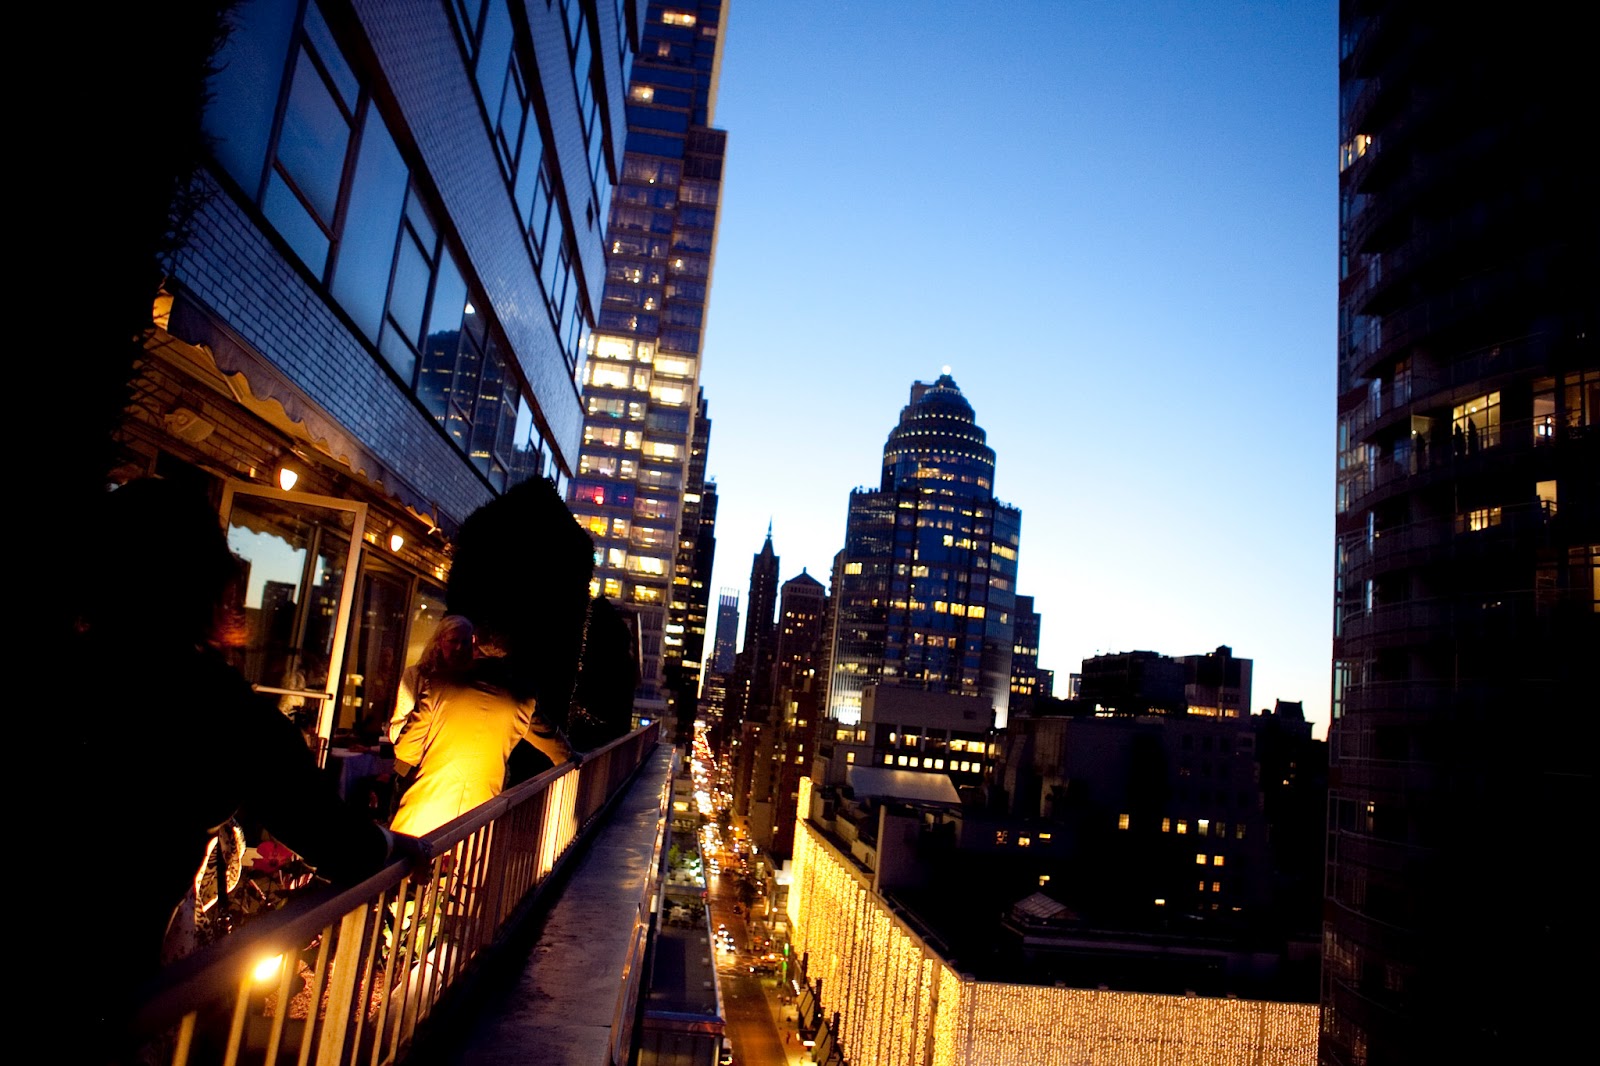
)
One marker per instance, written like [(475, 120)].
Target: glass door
[(297, 556)]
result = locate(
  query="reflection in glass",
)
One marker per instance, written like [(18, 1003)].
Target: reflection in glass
[(292, 559), (377, 646)]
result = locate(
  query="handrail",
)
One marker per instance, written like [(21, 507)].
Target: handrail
[(387, 950)]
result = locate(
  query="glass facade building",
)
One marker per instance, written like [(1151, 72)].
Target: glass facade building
[(1468, 521), (641, 382), (375, 318), (925, 588)]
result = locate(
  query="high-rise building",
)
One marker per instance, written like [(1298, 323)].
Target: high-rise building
[(685, 639), (1025, 649), (790, 742), (925, 587), (801, 605), (749, 697), (759, 653), (1468, 521), (725, 645), (374, 322), (641, 383)]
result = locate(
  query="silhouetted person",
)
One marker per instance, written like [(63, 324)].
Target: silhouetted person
[(163, 742)]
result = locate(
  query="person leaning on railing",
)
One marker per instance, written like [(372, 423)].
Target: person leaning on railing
[(167, 741), (461, 735), (448, 653)]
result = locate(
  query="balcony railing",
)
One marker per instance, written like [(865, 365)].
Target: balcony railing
[(349, 976)]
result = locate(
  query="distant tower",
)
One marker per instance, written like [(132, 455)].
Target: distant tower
[(685, 638), (925, 587), (800, 613), (1025, 651), (760, 633), (1466, 594), (725, 645), (798, 692)]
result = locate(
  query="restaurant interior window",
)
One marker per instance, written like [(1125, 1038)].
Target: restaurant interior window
[(296, 556), (377, 644)]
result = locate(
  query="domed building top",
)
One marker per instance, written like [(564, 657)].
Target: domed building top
[(938, 440)]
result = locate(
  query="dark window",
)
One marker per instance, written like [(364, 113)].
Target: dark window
[(360, 279)]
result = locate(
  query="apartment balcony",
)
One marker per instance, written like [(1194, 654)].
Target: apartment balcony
[(1396, 623), (412, 965)]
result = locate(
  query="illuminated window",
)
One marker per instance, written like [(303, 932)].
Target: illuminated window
[(1477, 519), (850, 756), (852, 568), (1216, 860), (1546, 492), (1202, 887), (642, 94), (1044, 879), (606, 375), (902, 760), (1200, 859), (1183, 827), (1216, 886), (1122, 821), (1354, 149), (1044, 836), (1001, 836), (1203, 826), (1475, 424), (1161, 903), (913, 762), (1166, 825), (677, 18), (1238, 831), (1024, 842), (1222, 829)]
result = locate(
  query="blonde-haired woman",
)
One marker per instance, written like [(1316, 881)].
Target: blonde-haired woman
[(448, 653)]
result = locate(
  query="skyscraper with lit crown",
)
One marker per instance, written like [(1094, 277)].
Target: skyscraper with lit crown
[(925, 587)]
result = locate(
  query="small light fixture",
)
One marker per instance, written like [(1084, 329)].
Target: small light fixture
[(287, 476), (396, 542), (267, 968)]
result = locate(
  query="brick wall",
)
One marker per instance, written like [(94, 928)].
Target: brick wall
[(234, 269)]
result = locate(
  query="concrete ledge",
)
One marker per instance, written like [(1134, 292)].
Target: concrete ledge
[(557, 1002)]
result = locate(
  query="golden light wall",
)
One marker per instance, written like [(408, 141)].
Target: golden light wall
[(895, 996), (1006, 1024)]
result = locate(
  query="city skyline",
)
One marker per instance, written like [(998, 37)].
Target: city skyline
[(1143, 316)]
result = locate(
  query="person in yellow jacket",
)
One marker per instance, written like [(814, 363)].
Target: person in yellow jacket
[(459, 738)]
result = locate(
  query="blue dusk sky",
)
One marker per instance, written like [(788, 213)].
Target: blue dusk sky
[(1116, 223)]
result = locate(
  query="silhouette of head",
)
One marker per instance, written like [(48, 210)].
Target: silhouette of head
[(154, 564)]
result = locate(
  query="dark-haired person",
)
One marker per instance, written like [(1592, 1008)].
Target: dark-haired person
[(165, 741)]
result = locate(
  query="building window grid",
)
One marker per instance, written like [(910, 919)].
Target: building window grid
[(503, 417)]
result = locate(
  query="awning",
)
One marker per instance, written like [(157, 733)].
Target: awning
[(228, 364)]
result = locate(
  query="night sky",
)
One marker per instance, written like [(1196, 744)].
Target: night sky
[(1117, 224)]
